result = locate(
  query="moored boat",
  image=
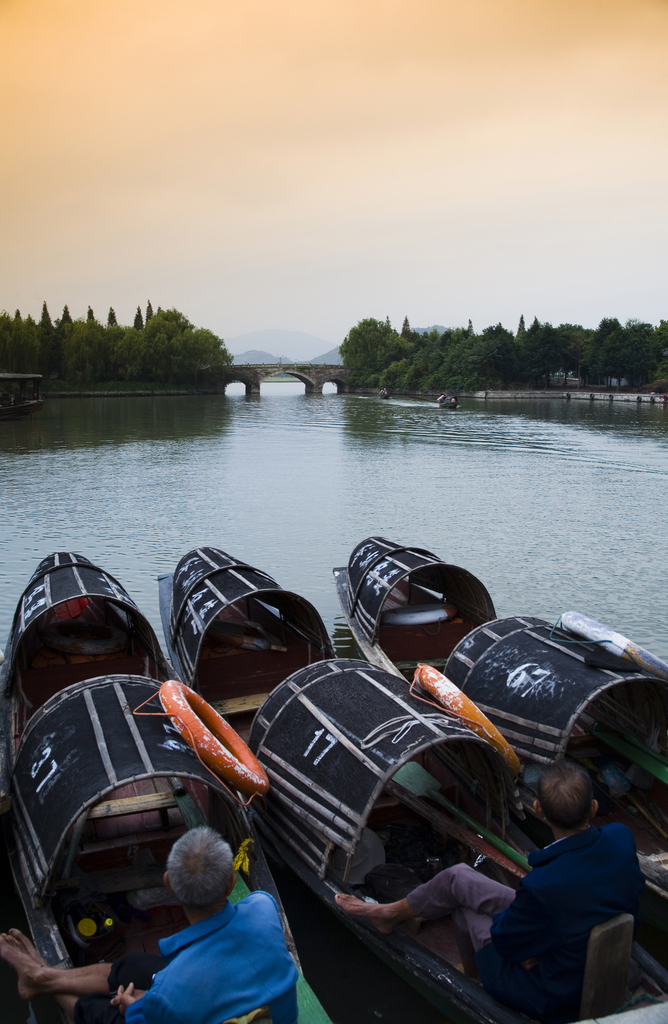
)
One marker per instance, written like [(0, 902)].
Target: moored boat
[(99, 782), (364, 777), (233, 633), (15, 401), (74, 621), (554, 693), (405, 605)]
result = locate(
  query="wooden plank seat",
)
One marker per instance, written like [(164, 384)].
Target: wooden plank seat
[(118, 879), (133, 805), (237, 705), (604, 988)]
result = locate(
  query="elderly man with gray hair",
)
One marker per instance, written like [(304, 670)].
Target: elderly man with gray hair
[(231, 961)]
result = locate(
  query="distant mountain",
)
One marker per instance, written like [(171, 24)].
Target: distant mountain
[(255, 355), (425, 330), (301, 345), (331, 358)]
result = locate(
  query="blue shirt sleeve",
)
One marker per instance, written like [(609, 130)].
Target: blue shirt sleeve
[(284, 1010), (135, 1013), (151, 1009)]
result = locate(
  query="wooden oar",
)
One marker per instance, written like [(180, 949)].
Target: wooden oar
[(415, 778), (635, 750)]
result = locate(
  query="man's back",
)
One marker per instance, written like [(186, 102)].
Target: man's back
[(222, 967), (576, 883)]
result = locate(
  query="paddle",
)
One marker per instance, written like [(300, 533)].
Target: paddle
[(635, 750)]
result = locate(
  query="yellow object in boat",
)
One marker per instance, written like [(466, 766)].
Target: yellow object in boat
[(451, 698)]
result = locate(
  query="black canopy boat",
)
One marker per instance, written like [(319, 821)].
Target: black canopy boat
[(94, 795), (74, 621), (404, 605), (553, 694), (364, 774), (99, 795), (233, 633)]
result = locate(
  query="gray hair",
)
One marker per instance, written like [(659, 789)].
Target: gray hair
[(199, 868)]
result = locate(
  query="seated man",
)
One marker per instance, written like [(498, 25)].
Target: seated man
[(231, 961), (530, 945)]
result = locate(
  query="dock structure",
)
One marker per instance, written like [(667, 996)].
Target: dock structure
[(581, 395)]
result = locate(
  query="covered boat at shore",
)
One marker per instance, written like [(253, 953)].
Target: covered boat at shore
[(16, 401), (369, 785), (553, 693), (233, 633), (405, 605)]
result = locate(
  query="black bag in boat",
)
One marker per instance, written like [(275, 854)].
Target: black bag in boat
[(389, 883), (411, 845)]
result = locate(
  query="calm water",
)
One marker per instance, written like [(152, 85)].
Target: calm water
[(554, 505)]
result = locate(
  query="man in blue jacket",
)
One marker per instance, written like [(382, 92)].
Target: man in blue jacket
[(231, 961), (530, 945)]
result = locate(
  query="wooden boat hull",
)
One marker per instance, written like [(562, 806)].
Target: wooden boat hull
[(345, 771), (460, 999), (17, 412)]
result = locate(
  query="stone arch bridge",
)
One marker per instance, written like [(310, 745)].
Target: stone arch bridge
[(313, 375)]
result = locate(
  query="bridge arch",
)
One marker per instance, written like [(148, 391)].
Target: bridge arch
[(308, 381), (336, 379)]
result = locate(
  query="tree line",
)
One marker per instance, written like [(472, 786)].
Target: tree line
[(162, 347), (538, 356)]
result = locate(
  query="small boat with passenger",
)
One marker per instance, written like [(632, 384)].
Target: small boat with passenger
[(233, 633), (405, 605), (580, 691), (447, 402), (100, 774), (372, 793)]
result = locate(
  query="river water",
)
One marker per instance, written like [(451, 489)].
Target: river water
[(553, 505)]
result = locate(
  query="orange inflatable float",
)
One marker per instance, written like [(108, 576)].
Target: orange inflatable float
[(216, 742), (451, 698)]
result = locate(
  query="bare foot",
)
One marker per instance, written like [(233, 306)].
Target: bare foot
[(382, 915), (29, 972), (28, 946)]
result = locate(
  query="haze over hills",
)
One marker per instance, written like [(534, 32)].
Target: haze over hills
[(254, 355), (300, 345)]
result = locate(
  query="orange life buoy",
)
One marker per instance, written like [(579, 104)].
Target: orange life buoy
[(452, 699), (216, 742)]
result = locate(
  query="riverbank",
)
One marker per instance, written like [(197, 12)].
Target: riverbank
[(121, 389), (581, 395)]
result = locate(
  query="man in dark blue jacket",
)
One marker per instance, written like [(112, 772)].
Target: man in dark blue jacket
[(530, 945)]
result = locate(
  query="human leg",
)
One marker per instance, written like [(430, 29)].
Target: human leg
[(385, 916), (471, 898), (459, 886)]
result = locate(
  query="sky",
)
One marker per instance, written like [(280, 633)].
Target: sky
[(303, 165)]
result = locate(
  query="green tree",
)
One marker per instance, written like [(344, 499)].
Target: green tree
[(111, 318), (541, 351), (405, 328), (371, 346), (20, 348), (139, 320), (149, 311), (521, 327), (90, 315)]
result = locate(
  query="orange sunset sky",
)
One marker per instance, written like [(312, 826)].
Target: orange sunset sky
[(307, 163)]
